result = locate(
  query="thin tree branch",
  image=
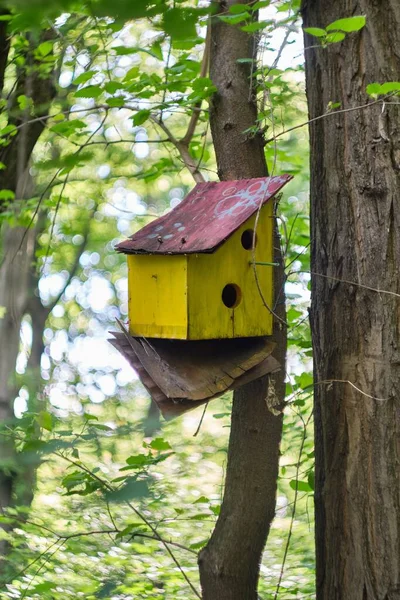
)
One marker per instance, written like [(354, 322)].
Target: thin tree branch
[(203, 73), (183, 150), (329, 114)]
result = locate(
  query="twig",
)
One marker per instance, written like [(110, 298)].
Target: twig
[(201, 420), (328, 114), (183, 150), (355, 283)]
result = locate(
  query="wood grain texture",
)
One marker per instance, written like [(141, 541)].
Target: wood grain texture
[(355, 220), (181, 375)]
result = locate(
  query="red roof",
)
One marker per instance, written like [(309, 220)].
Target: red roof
[(208, 215)]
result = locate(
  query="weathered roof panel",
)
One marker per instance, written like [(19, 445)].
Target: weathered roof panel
[(208, 215)]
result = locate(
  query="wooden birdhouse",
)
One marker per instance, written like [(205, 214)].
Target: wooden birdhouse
[(191, 273)]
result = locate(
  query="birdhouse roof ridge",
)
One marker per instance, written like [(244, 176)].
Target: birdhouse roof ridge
[(208, 215)]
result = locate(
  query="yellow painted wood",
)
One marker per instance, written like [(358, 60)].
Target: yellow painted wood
[(180, 297), (208, 274), (158, 296)]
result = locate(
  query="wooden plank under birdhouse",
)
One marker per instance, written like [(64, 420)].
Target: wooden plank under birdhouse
[(210, 213), (171, 407), (201, 369)]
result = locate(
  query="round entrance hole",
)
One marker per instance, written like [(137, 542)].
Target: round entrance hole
[(231, 295), (247, 239)]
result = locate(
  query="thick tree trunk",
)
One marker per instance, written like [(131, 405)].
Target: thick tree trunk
[(355, 212), (229, 564)]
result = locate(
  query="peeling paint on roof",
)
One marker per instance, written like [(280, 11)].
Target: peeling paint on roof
[(208, 215)]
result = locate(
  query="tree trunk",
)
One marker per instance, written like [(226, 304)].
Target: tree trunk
[(17, 246), (229, 564), (355, 232), (14, 292)]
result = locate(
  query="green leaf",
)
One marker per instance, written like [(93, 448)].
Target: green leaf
[(305, 380), (301, 486), (90, 91), (390, 86), (198, 545), (84, 77), (44, 48), (159, 444), (45, 420), (256, 26), (221, 415), (101, 427), (140, 117), (261, 4), (67, 128), (234, 19), (24, 102), (138, 461), (156, 50), (334, 38), (236, 9), (9, 130), (311, 480), (180, 23), (3, 311), (293, 314), (42, 587), (133, 489), (315, 31), (373, 89), (112, 86), (7, 195), (348, 25), (117, 102), (202, 500)]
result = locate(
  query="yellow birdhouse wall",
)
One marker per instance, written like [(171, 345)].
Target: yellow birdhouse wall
[(205, 296)]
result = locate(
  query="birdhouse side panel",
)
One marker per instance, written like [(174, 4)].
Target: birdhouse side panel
[(224, 299), (158, 296)]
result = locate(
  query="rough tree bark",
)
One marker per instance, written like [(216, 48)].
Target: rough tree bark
[(229, 564), (355, 232)]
